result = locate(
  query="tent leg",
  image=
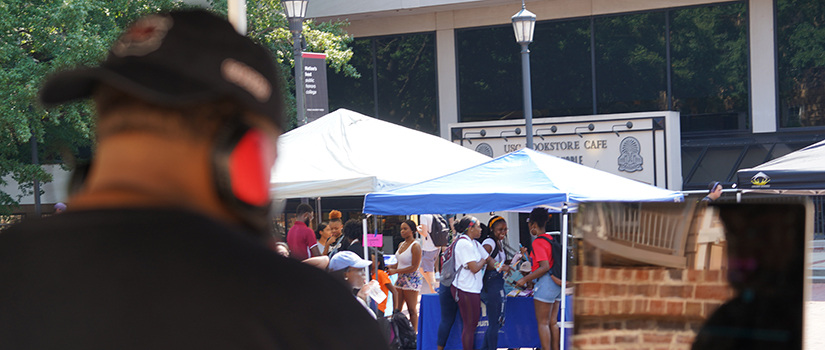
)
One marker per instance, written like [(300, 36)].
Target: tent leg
[(318, 215), (562, 324)]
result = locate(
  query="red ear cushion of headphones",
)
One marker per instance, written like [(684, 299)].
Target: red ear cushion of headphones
[(249, 169)]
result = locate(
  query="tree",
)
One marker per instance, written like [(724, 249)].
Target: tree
[(38, 38), (800, 26), (267, 25)]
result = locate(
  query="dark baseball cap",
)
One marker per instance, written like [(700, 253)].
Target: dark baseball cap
[(180, 58)]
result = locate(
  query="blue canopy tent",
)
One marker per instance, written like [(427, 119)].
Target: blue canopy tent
[(801, 172), (516, 181)]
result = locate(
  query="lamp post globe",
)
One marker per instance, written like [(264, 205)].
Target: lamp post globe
[(524, 22)]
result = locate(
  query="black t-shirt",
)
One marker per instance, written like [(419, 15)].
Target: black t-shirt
[(165, 279)]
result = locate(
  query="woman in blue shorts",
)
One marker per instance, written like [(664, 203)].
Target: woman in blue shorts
[(409, 278), (547, 289)]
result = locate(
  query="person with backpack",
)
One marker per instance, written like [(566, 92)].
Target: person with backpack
[(430, 225), (449, 271), (547, 288), (492, 292), (470, 262)]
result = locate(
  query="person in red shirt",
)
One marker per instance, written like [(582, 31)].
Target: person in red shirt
[(546, 291), (301, 238)]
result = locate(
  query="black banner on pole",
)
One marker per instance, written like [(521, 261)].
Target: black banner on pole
[(316, 98)]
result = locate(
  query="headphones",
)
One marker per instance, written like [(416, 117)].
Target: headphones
[(242, 160)]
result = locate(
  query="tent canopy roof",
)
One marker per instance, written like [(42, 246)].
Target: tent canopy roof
[(799, 172), (515, 181), (345, 153)]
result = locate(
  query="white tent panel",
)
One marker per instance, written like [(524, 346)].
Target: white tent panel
[(346, 153)]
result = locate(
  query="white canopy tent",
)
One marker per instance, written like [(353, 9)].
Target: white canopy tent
[(345, 153)]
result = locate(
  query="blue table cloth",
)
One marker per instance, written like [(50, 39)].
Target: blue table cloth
[(519, 330)]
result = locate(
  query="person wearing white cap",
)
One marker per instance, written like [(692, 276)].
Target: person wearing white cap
[(349, 267)]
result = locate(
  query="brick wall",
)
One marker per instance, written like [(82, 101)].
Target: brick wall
[(643, 308)]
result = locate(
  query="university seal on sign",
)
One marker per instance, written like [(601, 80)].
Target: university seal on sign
[(630, 159), (485, 149)]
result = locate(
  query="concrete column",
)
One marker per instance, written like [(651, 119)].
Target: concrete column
[(447, 74), (763, 66)]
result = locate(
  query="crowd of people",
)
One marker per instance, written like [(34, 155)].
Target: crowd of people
[(482, 260)]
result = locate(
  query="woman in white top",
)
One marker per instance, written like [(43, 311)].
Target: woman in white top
[(492, 293), (470, 262), (408, 256)]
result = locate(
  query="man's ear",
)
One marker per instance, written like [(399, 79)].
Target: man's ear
[(241, 163)]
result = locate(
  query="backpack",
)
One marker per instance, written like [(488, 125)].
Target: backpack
[(440, 231), (557, 256), (448, 271), (387, 329), (403, 331)]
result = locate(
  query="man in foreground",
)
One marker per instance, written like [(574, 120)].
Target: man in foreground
[(161, 249)]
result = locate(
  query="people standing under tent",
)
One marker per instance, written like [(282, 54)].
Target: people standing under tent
[(492, 292), (470, 262), (335, 226), (546, 290), (714, 192), (429, 251), (408, 256), (322, 235), (301, 238)]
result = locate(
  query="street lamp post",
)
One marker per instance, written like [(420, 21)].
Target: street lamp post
[(295, 11), (523, 24)]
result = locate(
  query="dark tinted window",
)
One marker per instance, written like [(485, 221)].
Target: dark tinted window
[(560, 67), (355, 94), (406, 85), (800, 42), (709, 67), (489, 74), (631, 63)]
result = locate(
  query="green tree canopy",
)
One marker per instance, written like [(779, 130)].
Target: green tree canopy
[(38, 38)]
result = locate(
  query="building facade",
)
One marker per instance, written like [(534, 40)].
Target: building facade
[(746, 77)]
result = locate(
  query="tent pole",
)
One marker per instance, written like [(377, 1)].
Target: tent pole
[(364, 243), (319, 216), (375, 231), (562, 325)]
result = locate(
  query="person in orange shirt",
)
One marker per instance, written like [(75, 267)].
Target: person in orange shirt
[(386, 285)]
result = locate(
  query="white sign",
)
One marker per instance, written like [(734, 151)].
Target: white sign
[(641, 146)]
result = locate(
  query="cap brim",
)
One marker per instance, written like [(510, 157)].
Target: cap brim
[(362, 264), (138, 80), (68, 86)]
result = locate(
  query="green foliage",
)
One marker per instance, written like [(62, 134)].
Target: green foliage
[(38, 38), (268, 26)]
